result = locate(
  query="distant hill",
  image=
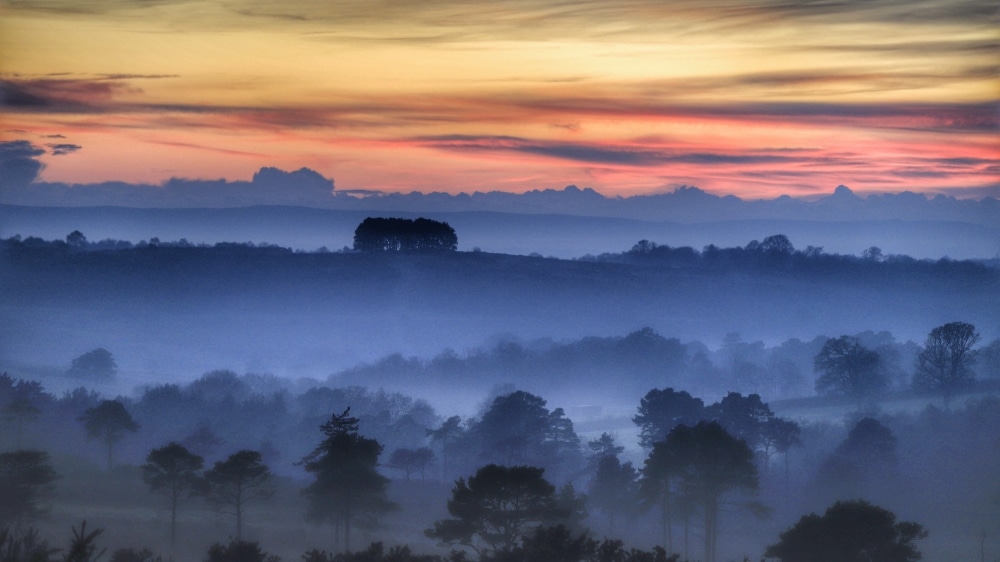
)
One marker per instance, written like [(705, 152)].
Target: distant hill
[(560, 235), (172, 313)]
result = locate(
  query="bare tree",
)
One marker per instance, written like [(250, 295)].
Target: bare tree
[(945, 362)]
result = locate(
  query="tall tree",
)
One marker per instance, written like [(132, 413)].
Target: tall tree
[(613, 489), (659, 487), (945, 362), (661, 410), (496, 509), (778, 436), (240, 479), (17, 412), (26, 481), (447, 436), (108, 421), (848, 368), (711, 463), (96, 364), (849, 531), (173, 471), (347, 484)]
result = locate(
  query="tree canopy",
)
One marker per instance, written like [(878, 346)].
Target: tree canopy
[(400, 235), (347, 484), (848, 368), (496, 508), (945, 362), (108, 421), (849, 531)]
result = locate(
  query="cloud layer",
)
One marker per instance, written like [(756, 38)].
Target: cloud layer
[(757, 98)]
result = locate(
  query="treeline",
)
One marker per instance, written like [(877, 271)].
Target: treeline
[(777, 253), (628, 364), (693, 459), (773, 253)]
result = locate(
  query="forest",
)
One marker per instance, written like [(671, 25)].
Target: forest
[(635, 446)]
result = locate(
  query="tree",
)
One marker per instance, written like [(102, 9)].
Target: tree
[(26, 481), (173, 471), (411, 460), (849, 531), (778, 435), (659, 486), (239, 551), (234, 482), (662, 410), (518, 429), (19, 411), (108, 421), (848, 368), (395, 235), (448, 435), (347, 484), (613, 489), (864, 462), (710, 463), (777, 244), (945, 362), (744, 417), (97, 364), (496, 508)]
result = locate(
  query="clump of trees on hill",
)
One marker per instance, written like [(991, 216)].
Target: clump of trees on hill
[(404, 235)]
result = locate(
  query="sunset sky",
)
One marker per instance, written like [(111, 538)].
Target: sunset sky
[(756, 98)]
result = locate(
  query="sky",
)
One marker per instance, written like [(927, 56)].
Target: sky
[(756, 98)]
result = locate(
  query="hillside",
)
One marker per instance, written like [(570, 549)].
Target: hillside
[(172, 313)]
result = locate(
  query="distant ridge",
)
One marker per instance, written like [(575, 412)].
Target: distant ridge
[(552, 234)]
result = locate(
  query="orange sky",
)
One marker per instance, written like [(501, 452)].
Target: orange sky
[(756, 98)]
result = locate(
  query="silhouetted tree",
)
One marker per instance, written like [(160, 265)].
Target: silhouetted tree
[(447, 436), (24, 546), (26, 481), (347, 484), (518, 429), (411, 460), (239, 551), (945, 362), (849, 531), (779, 435), (496, 509), (744, 417), (17, 412), (866, 460), (711, 463), (394, 235), (82, 547), (173, 471), (613, 489), (97, 364), (848, 368), (241, 478), (108, 421), (777, 244), (659, 487), (661, 410)]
